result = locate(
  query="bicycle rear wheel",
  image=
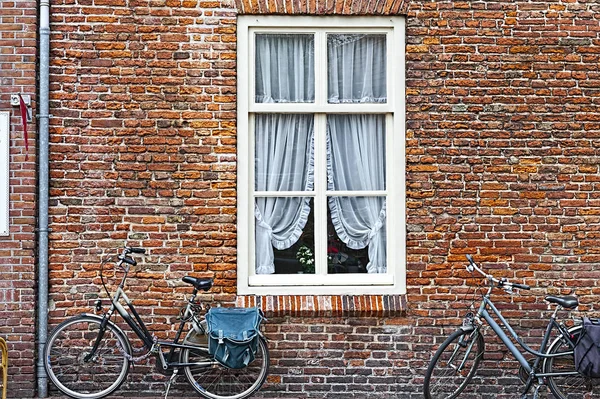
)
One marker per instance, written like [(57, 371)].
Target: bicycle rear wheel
[(453, 365), (215, 381), (69, 369), (575, 385)]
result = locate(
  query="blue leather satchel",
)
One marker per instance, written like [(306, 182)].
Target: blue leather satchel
[(233, 335)]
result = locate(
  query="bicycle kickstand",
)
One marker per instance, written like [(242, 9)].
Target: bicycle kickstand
[(171, 380), (535, 393)]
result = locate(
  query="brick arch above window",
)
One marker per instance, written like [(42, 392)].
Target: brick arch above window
[(323, 7)]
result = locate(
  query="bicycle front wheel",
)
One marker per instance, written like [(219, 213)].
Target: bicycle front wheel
[(453, 365), (570, 385), (72, 367), (215, 381)]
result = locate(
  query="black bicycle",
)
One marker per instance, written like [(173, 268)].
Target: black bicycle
[(88, 356), (456, 361)]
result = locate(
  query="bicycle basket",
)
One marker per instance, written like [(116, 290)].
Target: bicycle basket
[(233, 335), (587, 349)]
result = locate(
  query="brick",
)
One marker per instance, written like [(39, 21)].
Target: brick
[(502, 140), (17, 306)]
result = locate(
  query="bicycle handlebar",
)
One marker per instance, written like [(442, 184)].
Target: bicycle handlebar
[(123, 258), (521, 286), (135, 250), (502, 283)]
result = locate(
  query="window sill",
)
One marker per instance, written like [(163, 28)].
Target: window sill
[(327, 305), (320, 280)]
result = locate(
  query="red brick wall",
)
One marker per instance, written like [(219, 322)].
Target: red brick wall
[(502, 162), (17, 283), (502, 158)]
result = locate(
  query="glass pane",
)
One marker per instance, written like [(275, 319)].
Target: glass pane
[(356, 68), (356, 235), (285, 68), (356, 152), (291, 237), (284, 158)]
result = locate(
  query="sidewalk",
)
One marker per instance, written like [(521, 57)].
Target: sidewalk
[(265, 396)]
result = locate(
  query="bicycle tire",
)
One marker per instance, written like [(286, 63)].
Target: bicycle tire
[(573, 386), (215, 381), (441, 376), (3, 368), (65, 352)]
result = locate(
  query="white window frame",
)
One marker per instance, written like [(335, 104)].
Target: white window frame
[(4, 172), (394, 280)]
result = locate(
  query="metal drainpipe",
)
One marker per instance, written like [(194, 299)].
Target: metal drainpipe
[(43, 183)]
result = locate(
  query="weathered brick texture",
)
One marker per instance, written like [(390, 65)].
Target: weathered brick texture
[(502, 157), (17, 280), (502, 147)]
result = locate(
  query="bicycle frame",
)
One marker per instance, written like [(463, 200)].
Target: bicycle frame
[(139, 328), (540, 355), (89, 355)]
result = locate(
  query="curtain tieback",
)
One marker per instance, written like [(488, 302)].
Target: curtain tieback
[(263, 225), (379, 222), (375, 229), (259, 219)]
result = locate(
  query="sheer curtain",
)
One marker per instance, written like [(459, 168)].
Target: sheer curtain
[(284, 162), (356, 162), (356, 143), (285, 68), (284, 143), (357, 68)]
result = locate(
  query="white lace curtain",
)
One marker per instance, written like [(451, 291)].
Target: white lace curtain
[(356, 162), (284, 143), (357, 68), (284, 162), (285, 68)]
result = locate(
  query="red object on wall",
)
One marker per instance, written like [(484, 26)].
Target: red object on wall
[(24, 111)]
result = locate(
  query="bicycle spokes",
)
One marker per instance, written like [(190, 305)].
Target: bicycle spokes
[(453, 365), (82, 366), (461, 354)]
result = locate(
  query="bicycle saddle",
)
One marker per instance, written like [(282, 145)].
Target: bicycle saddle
[(567, 302), (199, 283)]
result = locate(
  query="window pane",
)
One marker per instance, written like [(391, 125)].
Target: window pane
[(356, 152), (285, 68), (284, 158), (356, 235), (356, 68), (284, 230)]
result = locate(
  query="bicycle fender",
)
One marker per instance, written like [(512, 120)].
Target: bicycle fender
[(116, 327), (557, 340), (571, 330)]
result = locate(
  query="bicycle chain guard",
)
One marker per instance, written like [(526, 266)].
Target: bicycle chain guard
[(524, 374)]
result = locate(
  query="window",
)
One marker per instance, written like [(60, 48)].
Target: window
[(321, 155), (4, 169)]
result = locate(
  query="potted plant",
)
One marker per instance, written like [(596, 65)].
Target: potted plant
[(306, 258)]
